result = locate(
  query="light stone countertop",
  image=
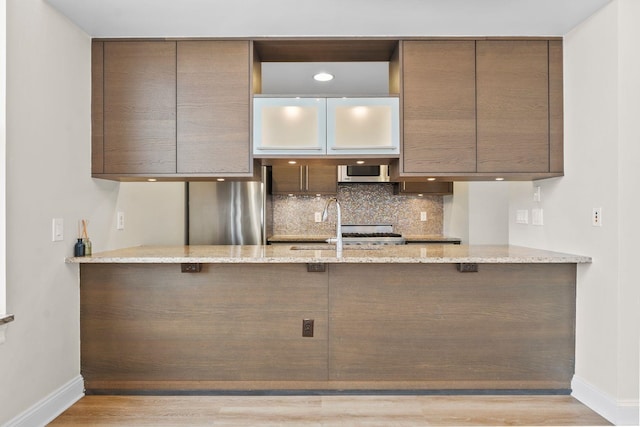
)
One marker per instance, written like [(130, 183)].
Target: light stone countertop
[(295, 238), (283, 254)]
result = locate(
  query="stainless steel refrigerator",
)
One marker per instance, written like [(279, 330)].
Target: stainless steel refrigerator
[(226, 213)]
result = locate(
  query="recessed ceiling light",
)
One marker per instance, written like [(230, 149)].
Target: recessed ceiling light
[(323, 77)]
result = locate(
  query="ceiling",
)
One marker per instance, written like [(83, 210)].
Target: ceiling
[(257, 18)]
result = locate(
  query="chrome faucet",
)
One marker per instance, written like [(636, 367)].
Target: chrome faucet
[(325, 214)]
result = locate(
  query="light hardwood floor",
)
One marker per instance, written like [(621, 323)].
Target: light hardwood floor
[(327, 411)]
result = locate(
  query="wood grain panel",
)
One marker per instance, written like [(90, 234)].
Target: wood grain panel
[(213, 98), (512, 106), (287, 179), (314, 50), (511, 322), (97, 107), (439, 107), (556, 107), (312, 178), (426, 188), (229, 322), (140, 107), (322, 179)]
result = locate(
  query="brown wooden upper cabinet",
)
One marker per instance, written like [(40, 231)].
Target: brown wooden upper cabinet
[(213, 107), (171, 109), (139, 103), (479, 109), (439, 107), (304, 179)]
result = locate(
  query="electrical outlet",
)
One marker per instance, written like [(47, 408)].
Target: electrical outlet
[(317, 217), (120, 221), (536, 195), (596, 217), (423, 216), (307, 328)]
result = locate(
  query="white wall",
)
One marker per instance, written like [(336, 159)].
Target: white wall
[(3, 67), (601, 66), (48, 176)]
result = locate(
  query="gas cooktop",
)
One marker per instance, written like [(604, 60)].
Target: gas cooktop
[(371, 235)]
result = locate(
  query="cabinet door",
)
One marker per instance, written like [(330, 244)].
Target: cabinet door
[(513, 106), (321, 179), (363, 126), (213, 107), (305, 179), (439, 107), (425, 188), (140, 107), (286, 126), (287, 179)]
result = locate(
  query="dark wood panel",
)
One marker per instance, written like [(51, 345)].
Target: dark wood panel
[(321, 179), (287, 179), (312, 178), (425, 188), (213, 97), (313, 50), (97, 107), (556, 107), (140, 107), (439, 107), (512, 322), (512, 106), (229, 322)]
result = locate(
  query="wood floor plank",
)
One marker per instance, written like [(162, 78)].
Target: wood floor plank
[(328, 410)]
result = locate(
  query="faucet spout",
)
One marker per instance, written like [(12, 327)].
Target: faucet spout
[(325, 214)]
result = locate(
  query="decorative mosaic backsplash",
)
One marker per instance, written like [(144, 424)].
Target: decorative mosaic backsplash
[(361, 204)]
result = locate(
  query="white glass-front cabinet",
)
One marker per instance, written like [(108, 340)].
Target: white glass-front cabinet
[(289, 126), (325, 126), (363, 126)]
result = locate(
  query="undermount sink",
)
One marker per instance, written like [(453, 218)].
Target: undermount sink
[(333, 247)]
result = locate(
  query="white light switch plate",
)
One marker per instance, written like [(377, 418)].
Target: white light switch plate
[(522, 216), (537, 217), (57, 230), (120, 221)]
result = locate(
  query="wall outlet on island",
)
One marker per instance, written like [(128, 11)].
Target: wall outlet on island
[(317, 216), (423, 216)]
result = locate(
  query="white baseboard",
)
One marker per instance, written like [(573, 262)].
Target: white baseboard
[(618, 412), (51, 406)]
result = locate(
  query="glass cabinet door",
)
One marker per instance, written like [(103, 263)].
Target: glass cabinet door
[(363, 126), (289, 126)]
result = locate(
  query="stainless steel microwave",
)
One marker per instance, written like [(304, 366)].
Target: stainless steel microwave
[(363, 173)]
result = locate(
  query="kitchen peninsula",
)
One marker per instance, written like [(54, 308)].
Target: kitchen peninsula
[(197, 318)]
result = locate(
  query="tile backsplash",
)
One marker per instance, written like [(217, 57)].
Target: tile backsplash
[(361, 204)]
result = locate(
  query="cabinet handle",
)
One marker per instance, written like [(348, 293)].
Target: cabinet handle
[(306, 178), (291, 148), (363, 147), (301, 180)]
